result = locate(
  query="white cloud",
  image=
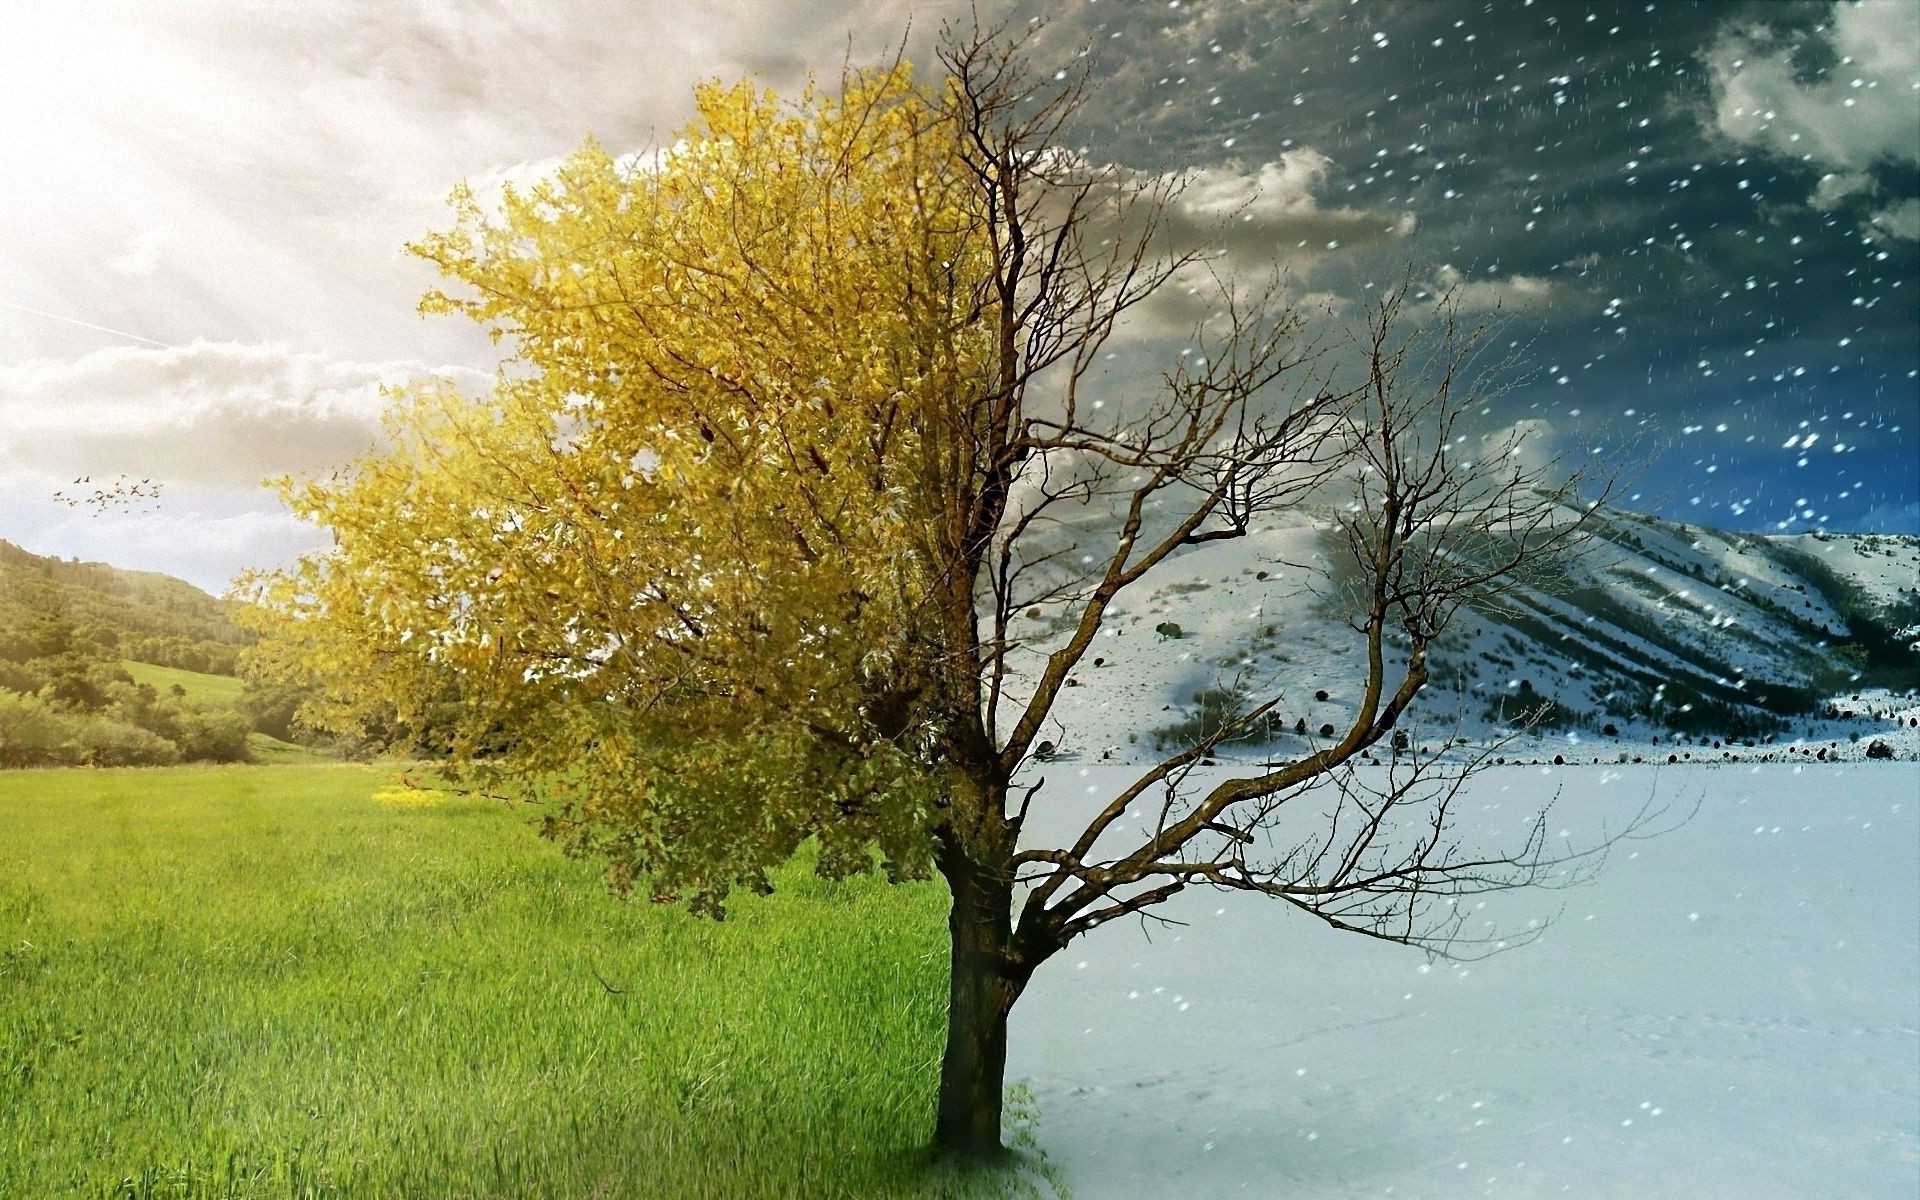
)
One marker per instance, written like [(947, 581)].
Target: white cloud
[(1529, 446), (207, 413), (1286, 186), (1272, 211), (208, 423), (1250, 222), (1513, 293), (1835, 186), (1860, 113), (1901, 220)]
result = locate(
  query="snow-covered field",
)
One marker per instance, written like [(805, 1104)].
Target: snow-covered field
[(1731, 1011)]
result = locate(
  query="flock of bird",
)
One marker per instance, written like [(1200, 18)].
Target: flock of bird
[(123, 494)]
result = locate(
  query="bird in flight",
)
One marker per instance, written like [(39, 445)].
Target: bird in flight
[(122, 495)]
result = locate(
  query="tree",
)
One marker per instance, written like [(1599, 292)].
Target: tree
[(736, 551)]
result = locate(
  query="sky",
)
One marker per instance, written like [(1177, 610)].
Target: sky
[(1700, 218)]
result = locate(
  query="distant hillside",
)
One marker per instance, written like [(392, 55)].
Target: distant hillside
[(144, 616), (1656, 630), (1692, 630), (103, 666)]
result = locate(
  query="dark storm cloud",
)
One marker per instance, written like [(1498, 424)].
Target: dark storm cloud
[(1699, 213)]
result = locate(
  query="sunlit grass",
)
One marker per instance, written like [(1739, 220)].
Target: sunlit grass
[(264, 981), (264, 748), (212, 691)]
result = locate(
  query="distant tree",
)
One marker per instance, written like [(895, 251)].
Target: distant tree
[(800, 419), (271, 707), (31, 734), (205, 735)]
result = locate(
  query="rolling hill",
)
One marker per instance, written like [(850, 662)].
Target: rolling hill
[(146, 616)]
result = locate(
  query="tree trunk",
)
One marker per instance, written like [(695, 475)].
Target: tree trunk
[(985, 981)]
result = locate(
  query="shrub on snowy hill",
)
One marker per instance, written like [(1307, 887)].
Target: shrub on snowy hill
[(1678, 706), (1877, 649), (1531, 711), (1214, 709)]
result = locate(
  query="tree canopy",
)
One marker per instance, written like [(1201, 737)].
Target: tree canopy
[(683, 551)]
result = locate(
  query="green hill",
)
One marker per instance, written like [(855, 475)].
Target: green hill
[(103, 666), (143, 615)]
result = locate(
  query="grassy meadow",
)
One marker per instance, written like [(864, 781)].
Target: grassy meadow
[(300, 981)]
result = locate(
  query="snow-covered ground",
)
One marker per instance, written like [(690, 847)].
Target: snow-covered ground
[(1732, 1010)]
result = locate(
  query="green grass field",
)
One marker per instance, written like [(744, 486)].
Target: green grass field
[(264, 982), (271, 751)]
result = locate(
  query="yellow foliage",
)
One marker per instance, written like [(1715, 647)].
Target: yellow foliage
[(691, 524)]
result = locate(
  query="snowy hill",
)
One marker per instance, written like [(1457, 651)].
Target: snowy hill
[(1657, 633)]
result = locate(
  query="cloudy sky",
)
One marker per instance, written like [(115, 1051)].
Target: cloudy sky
[(1702, 216)]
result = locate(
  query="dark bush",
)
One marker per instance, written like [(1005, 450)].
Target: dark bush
[(31, 734), (205, 736), (270, 708), (102, 742), (1214, 709)]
